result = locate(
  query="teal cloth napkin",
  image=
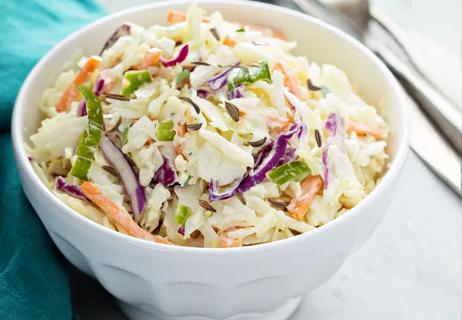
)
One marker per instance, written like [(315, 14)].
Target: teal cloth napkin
[(33, 279)]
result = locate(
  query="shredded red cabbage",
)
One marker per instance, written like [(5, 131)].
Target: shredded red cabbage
[(182, 55), (303, 129), (331, 125), (97, 89), (165, 174), (127, 174), (288, 156), (71, 189), (203, 93), (220, 80), (82, 108), (99, 86), (235, 93), (121, 31), (269, 157), (215, 194)]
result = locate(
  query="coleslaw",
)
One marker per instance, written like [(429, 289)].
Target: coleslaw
[(207, 133)]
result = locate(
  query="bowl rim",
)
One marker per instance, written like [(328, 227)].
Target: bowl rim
[(392, 173)]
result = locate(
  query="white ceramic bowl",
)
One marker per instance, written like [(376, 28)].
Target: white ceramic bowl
[(170, 282)]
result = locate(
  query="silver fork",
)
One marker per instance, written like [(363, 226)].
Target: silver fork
[(373, 28), (377, 32)]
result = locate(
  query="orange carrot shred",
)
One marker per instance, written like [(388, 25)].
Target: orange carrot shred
[(229, 42), (290, 80), (228, 242), (71, 93), (174, 16), (363, 130), (266, 31), (179, 149), (182, 129), (278, 122), (151, 57), (120, 218), (149, 142), (299, 206)]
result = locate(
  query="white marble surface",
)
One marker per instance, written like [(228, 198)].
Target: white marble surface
[(411, 267)]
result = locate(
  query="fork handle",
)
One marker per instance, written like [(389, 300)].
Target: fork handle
[(443, 113)]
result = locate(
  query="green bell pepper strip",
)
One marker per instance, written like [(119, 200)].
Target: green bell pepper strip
[(165, 131), (295, 170), (123, 136), (182, 214), (135, 79), (91, 136), (182, 77), (241, 75)]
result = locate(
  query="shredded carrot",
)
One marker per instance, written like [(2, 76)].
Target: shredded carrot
[(266, 31), (229, 42), (277, 122), (363, 130), (72, 93), (228, 242), (298, 207), (179, 149), (290, 79), (234, 228), (273, 121), (182, 129), (174, 16), (151, 58), (149, 142), (120, 218)]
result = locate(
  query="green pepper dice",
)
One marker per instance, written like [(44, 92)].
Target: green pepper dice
[(135, 79), (123, 135), (165, 131), (241, 75), (182, 214), (91, 136), (295, 170), (182, 77)]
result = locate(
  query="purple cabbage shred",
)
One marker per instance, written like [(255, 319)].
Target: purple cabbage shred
[(235, 93), (331, 125), (99, 86), (182, 55), (123, 30), (165, 174), (273, 154), (82, 108), (219, 81), (97, 89), (71, 189), (119, 161), (203, 93)]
